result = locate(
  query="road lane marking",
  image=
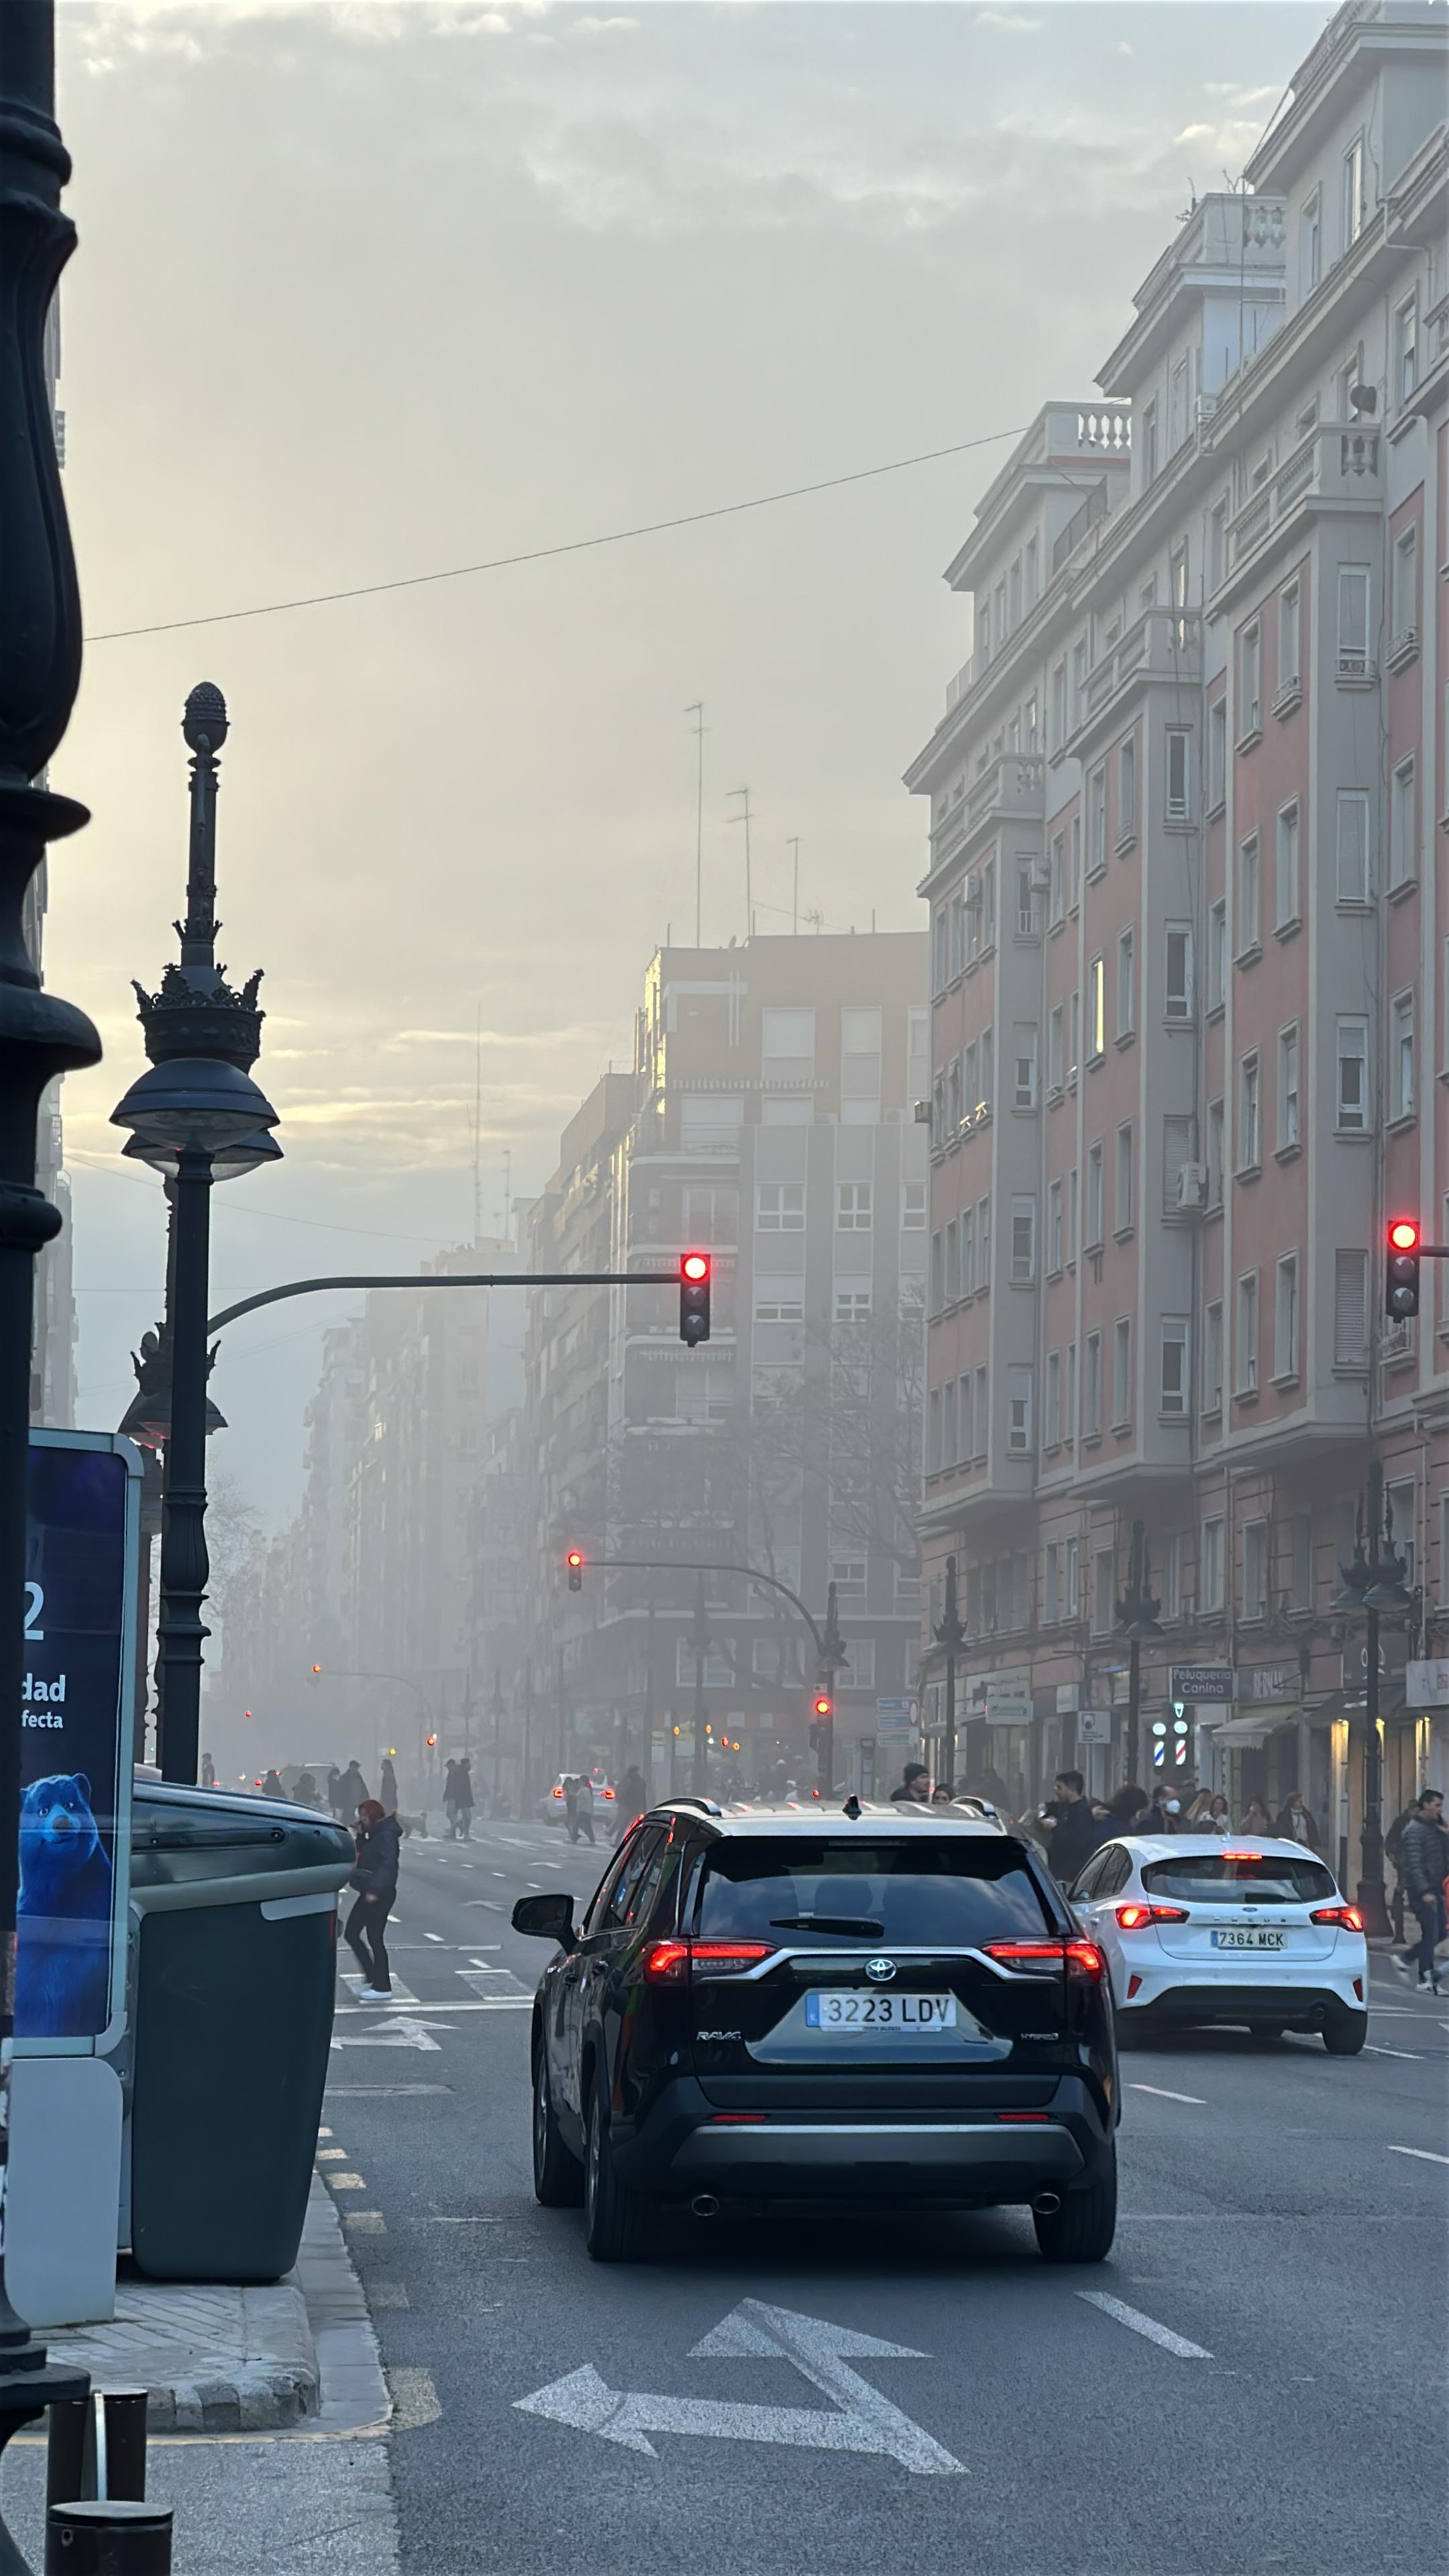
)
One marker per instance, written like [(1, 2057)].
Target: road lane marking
[(364, 2222), (1142, 2325), (330, 2155), (1164, 2096), (1425, 2155), (404, 2030), (344, 2182), (374, 2091), (432, 1936), (1410, 2054), (861, 2419)]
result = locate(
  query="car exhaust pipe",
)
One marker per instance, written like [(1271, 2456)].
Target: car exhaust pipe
[(1047, 2203), (704, 2205)]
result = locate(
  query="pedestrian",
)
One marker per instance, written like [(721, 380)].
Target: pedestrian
[(375, 1879), (1255, 1818), (1076, 1830), (1220, 1817), (208, 1772), (583, 1815), (334, 1790), (633, 1797), (272, 1785), (1125, 1806), (1161, 1813), (1424, 1865), (1196, 1812), (1394, 1851), (1297, 1822), (387, 1787), (450, 1800), (305, 1793), (915, 1788), (943, 1795), (463, 1797)]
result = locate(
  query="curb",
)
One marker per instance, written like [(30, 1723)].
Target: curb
[(354, 2394), (274, 2387)]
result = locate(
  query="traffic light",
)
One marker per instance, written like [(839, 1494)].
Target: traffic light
[(314, 1677), (822, 1712), (694, 1270), (1401, 1293), (575, 1563), (432, 1743)]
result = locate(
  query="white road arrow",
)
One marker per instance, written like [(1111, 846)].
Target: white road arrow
[(401, 2030), (865, 2421)]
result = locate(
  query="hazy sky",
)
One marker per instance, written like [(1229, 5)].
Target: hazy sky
[(370, 290)]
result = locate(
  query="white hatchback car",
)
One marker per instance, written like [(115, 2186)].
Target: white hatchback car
[(1239, 1929)]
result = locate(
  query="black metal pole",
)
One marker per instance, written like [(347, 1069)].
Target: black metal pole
[(1372, 1897), (563, 1745), (1134, 1705), (185, 1567), (647, 1764), (40, 645), (952, 1624)]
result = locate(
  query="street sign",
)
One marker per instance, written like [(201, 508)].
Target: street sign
[(858, 2419), (82, 1545), (1007, 1708), (894, 1716), (1094, 1726), (1201, 1681), (1428, 1685), (1268, 1685)]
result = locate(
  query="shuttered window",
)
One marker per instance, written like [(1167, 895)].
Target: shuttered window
[(1350, 1309)]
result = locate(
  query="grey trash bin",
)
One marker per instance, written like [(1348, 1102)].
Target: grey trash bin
[(232, 2018)]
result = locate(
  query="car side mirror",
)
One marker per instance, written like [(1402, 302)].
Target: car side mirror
[(546, 1918)]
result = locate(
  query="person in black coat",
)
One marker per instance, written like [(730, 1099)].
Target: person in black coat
[(1076, 1831), (379, 1840)]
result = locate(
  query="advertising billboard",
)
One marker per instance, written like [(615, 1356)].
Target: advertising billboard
[(76, 1716)]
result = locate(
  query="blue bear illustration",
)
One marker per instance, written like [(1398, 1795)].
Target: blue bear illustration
[(63, 1919)]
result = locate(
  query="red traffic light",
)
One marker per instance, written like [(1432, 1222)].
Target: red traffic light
[(1404, 1234), (823, 1704), (575, 1563), (432, 1739), (695, 1265), (575, 1556), (316, 1668), (694, 1284)]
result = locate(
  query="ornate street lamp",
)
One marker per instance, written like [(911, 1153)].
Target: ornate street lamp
[(197, 1105), (950, 1636), (699, 1646), (1136, 1621), (40, 1036), (1374, 1582)]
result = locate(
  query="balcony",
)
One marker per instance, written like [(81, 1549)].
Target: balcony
[(1009, 791), (1163, 644), (1332, 468), (957, 687)]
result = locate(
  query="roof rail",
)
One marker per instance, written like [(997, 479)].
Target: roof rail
[(708, 1806)]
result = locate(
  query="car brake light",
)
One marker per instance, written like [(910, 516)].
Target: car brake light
[(1348, 1915), (558, 1793), (669, 1963), (737, 2119), (666, 1963), (1040, 1958), (1231, 1855), (1024, 2119), (1133, 1986), (607, 1793), (1133, 1917)]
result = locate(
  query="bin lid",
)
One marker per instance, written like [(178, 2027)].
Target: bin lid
[(179, 1834)]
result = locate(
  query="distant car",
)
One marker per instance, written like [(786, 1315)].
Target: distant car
[(861, 2004), (552, 1809), (1251, 1931)]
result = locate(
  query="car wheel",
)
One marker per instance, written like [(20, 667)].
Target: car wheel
[(613, 2215), (1081, 2231), (1344, 2036), (558, 2177)]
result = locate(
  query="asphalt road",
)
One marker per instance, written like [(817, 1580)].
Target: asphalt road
[(1263, 2391)]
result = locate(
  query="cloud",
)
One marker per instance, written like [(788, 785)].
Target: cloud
[(1008, 21)]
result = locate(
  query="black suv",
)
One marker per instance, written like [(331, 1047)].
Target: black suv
[(864, 2003)]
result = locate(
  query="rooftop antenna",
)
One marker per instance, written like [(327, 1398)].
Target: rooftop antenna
[(816, 921), (743, 794), (697, 711), (795, 891)]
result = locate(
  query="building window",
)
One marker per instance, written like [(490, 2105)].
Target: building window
[(1255, 1570), (938, 1273), (1074, 1032), (1024, 1046), (1126, 984), (1351, 1115), (1288, 1128), (1051, 1586), (847, 1573), (1095, 1211), (1285, 1317), (1149, 443), (1096, 1009), (1018, 1412), (860, 1045), (1171, 1576), (852, 1301), (1096, 821), (1054, 1228), (1250, 683), (780, 1207), (1350, 1309), (1403, 817), (1070, 1423), (1289, 605), (1353, 621), (1353, 192), (1092, 1387), (948, 1424), (1124, 1172), (963, 1429), (1059, 706), (1218, 543), (1173, 1390), (1401, 1046), (1402, 1499), (913, 1207), (1310, 244), (1054, 1399), (1057, 879), (1179, 779), (953, 1263), (1355, 857), (1211, 1585), (983, 1242), (1249, 891), (1023, 1242), (1217, 754), (983, 1384), (1056, 1042), (1178, 998), (1074, 874), (988, 1068), (1072, 1217), (968, 1252), (1212, 1357), (1216, 1149), (1250, 1140), (1126, 792), (1300, 1561), (1406, 352), (1285, 871), (1122, 1373), (1245, 1352), (852, 1207)]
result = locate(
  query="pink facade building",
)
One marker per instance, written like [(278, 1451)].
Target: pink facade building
[(1189, 891)]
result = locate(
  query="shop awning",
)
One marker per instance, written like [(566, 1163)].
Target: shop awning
[(1256, 1729)]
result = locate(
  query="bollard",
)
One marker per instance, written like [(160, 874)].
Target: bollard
[(108, 2539), (123, 2428), (70, 2452)]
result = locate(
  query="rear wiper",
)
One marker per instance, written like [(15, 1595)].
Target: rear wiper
[(857, 1925)]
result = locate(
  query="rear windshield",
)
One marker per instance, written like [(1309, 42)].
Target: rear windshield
[(1271, 1879), (909, 1893)]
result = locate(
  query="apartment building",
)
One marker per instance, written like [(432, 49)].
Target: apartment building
[(769, 1119), (1190, 974)]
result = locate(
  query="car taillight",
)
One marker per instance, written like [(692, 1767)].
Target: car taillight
[(1133, 1918), (1348, 1915), (1043, 1958), (1232, 1855), (669, 1963), (607, 1793), (558, 1793)]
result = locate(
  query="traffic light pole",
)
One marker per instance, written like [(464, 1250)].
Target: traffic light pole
[(447, 1279)]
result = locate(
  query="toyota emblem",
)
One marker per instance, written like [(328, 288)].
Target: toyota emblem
[(880, 1971)]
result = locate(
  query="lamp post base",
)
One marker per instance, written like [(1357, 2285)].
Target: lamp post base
[(24, 2396), (1371, 1898)]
